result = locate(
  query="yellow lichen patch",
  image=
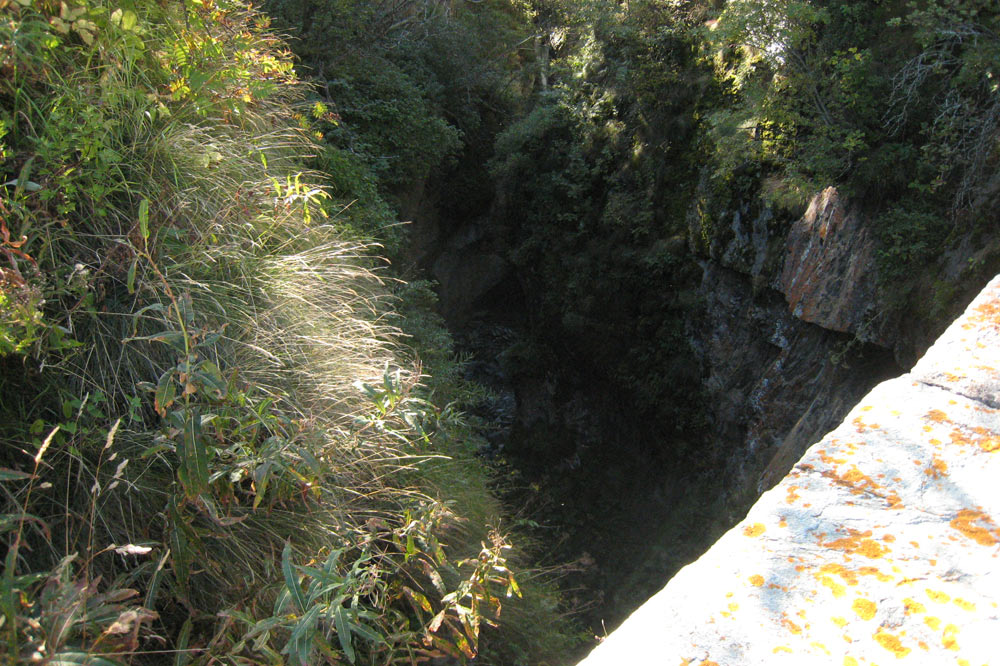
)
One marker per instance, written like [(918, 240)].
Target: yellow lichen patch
[(932, 622), (839, 621), (734, 606), (754, 530), (963, 604), (850, 661), (835, 587), (819, 646), (913, 606), (857, 543), (891, 643), (985, 533), (948, 639), (708, 662), (940, 597), (756, 580), (985, 439), (964, 662), (781, 648), (864, 608)]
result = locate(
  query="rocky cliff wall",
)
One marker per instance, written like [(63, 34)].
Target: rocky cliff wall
[(790, 336), (880, 545)]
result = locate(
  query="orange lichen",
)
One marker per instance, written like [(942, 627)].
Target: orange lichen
[(913, 606), (754, 530), (782, 523), (985, 533), (862, 426), (937, 416), (792, 495), (857, 483), (857, 543), (791, 626), (985, 439), (987, 313), (888, 537), (940, 597), (937, 468), (891, 643), (923, 645), (756, 580), (864, 608)]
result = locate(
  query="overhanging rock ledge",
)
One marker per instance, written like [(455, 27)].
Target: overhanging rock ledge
[(882, 544)]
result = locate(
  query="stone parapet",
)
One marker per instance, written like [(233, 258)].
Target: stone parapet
[(881, 545)]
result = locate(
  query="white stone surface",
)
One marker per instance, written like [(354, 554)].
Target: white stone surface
[(881, 546)]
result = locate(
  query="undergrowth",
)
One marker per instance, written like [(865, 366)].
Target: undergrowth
[(213, 450)]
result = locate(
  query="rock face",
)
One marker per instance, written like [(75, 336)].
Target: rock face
[(829, 273), (882, 543), (787, 337)]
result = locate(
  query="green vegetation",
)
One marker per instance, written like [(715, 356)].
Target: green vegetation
[(215, 446), (219, 443)]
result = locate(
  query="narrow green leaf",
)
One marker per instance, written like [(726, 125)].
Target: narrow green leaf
[(144, 216), (12, 475), (344, 633), (166, 392), (183, 656), (291, 579), (130, 278)]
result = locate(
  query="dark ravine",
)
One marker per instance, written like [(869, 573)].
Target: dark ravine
[(781, 360)]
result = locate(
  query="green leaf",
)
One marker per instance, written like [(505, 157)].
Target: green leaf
[(344, 633), (166, 392), (144, 216), (129, 20), (183, 656), (130, 279), (291, 579), (12, 475), (78, 659), (194, 455)]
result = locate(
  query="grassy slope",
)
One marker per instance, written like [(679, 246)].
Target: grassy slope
[(210, 450)]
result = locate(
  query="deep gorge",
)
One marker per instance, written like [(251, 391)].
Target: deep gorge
[(447, 331)]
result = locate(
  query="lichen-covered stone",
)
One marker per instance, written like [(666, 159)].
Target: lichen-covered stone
[(882, 545)]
